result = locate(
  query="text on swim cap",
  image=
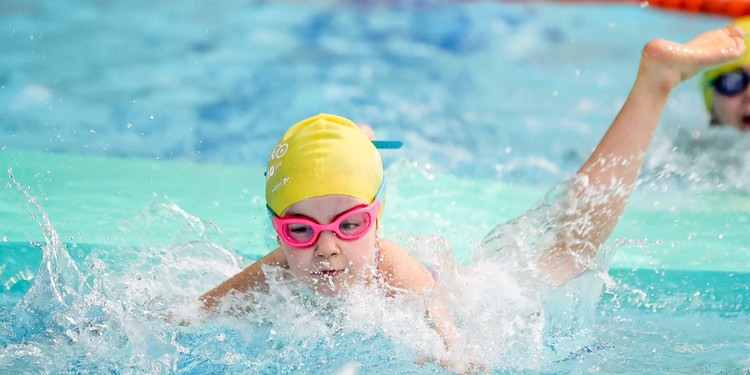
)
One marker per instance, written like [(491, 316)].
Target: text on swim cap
[(279, 151), (272, 169), (279, 185)]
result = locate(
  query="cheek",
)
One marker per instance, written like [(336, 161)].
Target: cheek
[(726, 108), (299, 260), (362, 252)]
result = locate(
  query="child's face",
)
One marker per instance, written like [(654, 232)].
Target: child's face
[(733, 110), (331, 264)]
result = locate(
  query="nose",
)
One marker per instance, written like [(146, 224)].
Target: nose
[(327, 245)]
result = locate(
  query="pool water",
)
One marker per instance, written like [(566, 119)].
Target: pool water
[(132, 153)]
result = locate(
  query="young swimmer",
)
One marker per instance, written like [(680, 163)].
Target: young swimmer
[(325, 191), (725, 89)]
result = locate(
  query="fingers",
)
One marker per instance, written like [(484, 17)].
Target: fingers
[(367, 130), (725, 43), (735, 31), (738, 34)]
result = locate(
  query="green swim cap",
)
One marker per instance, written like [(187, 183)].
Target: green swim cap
[(711, 74)]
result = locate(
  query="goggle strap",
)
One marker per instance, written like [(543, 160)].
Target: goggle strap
[(388, 144)]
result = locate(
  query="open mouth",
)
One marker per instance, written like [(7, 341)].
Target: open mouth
[(745, 122), (328, 273)]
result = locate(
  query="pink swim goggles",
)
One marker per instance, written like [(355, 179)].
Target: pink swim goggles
[(301, 231)]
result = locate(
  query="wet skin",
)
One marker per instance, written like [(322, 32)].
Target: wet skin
[(331, 264)]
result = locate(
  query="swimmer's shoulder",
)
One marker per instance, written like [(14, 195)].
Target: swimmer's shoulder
[(401, 269), (275, 258), (389, 253), (251, 277)]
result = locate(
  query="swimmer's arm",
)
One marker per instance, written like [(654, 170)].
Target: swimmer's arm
[(251, 277), (615, 163), (402, 270)]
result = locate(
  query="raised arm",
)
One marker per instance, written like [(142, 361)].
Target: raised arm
[(251, 277), (608, 176)]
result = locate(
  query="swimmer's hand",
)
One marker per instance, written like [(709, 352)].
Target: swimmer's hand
[(367, 130), (670, 63)]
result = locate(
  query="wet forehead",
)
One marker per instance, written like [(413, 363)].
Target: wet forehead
[(323, 209)]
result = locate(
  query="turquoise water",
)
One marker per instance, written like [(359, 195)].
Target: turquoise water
[(114, 285), (132, 152)]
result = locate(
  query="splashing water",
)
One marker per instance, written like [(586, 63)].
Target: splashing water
[(107, 317), (431, 73), (58, 284), (125, 307), (700, 159)]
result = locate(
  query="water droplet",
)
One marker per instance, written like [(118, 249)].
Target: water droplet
[(99, 265)]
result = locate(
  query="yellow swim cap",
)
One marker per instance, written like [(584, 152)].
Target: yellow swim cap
[(322, 155), (711, 74)]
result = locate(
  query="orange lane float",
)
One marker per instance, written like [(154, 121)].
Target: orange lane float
[(731, 8)]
